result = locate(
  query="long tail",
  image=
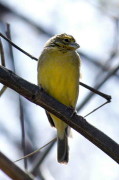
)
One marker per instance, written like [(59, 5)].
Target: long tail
[(62, 149)]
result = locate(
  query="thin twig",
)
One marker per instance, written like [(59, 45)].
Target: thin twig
[(17, 47), (36, 151), (38, 161), (3, 64), (8, 34), (96, 109), (107, 97), (2, 54), (23, 132), (90, 95)]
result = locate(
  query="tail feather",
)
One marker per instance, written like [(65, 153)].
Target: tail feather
[(63, 150)]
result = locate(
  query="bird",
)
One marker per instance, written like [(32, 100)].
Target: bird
[(59, 74)]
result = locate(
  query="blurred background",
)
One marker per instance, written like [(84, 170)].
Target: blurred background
[(23, 125)]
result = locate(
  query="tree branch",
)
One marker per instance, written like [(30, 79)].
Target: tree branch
[(105, 96), (17, 47), (97, 86), (12, 170), (36, 95)]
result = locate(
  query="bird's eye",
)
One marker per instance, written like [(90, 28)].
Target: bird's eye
[(66, 40)]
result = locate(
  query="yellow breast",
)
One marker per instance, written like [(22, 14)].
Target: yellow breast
[(58, 74)]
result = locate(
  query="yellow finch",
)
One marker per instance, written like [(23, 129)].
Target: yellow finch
[(58, 75)]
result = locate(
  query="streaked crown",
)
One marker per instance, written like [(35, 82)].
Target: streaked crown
[(62, 42)]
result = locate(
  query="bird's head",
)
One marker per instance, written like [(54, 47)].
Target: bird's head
[(62, 42)]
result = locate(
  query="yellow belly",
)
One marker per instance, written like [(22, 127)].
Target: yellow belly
[(59, 76)]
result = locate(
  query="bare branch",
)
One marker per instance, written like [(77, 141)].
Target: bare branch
[(3, 64), (36, 151), (96, 109), (12, 170), (3, 90), (17, 47), (99, 85), (37, 95), (107, 97), (8, 34), (2, 54)]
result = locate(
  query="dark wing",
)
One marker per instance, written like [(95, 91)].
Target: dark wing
[(50, 119)]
